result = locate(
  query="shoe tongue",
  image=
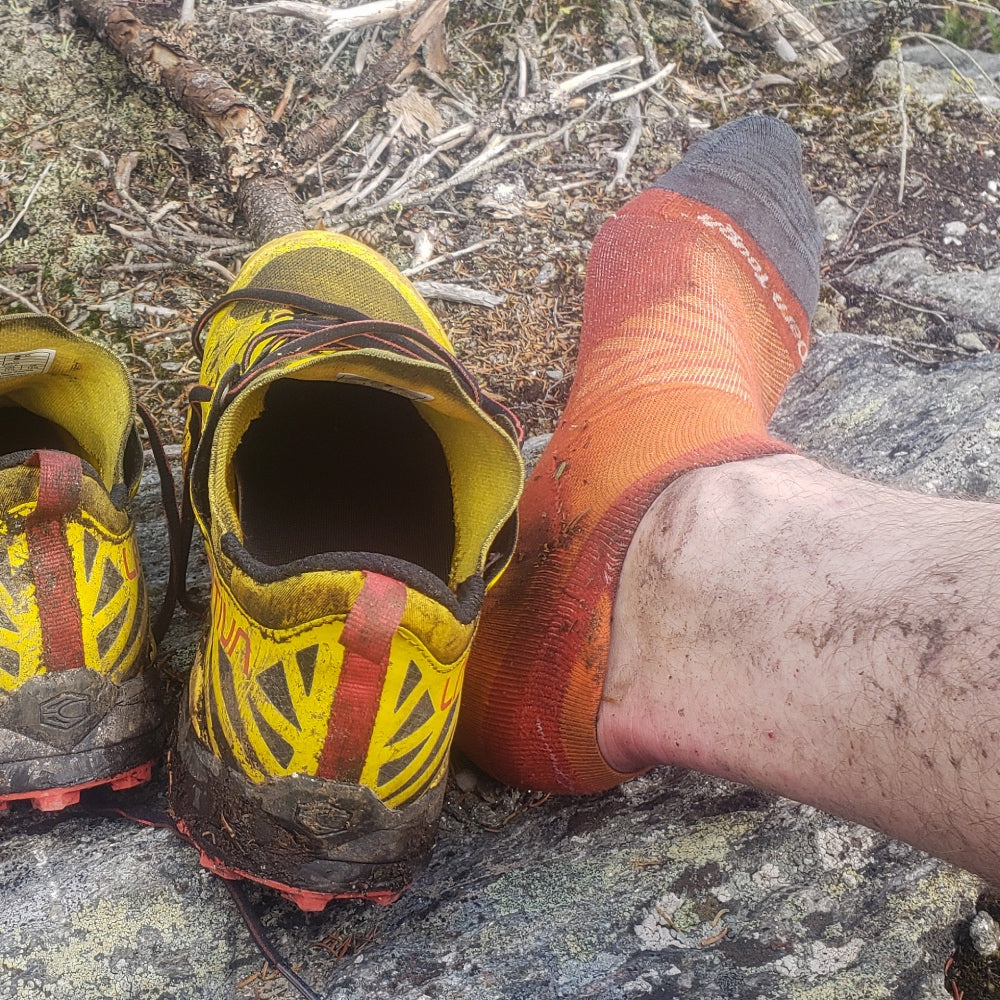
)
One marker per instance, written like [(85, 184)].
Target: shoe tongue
[(79, 389)]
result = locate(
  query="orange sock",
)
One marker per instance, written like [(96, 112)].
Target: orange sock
[(690, 334)]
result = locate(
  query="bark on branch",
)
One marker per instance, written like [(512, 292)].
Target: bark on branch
[(258, 162), (370, 88)]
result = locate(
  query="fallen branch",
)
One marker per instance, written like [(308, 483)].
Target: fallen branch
[(257, 163), (370, 89), (773, 20)]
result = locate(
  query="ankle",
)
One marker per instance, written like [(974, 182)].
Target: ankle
[(694, 554)]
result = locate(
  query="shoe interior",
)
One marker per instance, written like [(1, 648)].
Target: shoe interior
[(337, 467), (22, 430)]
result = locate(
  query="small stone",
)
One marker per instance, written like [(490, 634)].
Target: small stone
[(466, 778), (985, 934), (970, 341), (956, 228), (546, 274), (532, 449), (835, 218)]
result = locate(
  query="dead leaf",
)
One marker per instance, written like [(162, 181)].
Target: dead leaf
[(415, 113)]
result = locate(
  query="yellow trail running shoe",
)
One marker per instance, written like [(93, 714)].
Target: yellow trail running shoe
[(357, 495), (80, 701)]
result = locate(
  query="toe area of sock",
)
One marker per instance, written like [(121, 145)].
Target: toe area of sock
[(751, 170)]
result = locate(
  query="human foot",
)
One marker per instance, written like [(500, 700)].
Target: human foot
[(696, 312)]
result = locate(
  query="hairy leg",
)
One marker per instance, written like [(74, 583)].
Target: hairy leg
[(828, 639)]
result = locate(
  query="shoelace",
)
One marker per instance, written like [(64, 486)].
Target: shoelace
[(176, 592), (313, 325), (310, 329), (161, 819), (168, 498)]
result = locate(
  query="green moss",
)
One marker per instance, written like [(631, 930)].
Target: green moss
[(970, 29)]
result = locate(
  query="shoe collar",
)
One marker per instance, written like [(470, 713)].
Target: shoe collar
[(302, 341)]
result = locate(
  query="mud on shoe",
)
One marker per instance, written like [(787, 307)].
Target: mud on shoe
[(80, 700), (357, 495)]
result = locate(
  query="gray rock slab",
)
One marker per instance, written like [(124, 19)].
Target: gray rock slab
[(943, 74), (675, 885), (970, 296)]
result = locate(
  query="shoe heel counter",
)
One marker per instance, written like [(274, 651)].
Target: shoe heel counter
[(94, 615), (354, 697), (415, 725)]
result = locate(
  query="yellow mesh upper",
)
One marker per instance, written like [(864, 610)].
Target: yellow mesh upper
[(327, 266), (483, 461), (85, 390)]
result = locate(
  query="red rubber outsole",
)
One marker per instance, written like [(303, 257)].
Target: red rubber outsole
[(304, 899), (54, 799)]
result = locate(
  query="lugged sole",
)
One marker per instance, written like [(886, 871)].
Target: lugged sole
[(304, 899), (310, 839), (64, 732), (54, 799)]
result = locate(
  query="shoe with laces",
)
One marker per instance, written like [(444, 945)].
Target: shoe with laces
[(357, 495), (81, 703)]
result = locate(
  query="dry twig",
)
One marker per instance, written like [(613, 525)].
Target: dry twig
[(27, 202), (598, 74), (448, 292), (904, 138), (18, 297), (490, 158), (336, 21)]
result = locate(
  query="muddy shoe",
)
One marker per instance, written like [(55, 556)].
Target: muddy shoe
[(80, 701), (356, 494)]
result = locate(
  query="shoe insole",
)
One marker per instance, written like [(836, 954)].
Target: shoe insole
[(22, 430), (337, 467)]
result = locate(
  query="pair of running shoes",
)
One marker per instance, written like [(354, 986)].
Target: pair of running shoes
[(357, 496)]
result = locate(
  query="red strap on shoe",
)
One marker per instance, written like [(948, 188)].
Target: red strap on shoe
[(60, 484), (367, 638)]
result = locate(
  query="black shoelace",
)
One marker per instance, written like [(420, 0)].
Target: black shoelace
[(179, 542), (161, 819)]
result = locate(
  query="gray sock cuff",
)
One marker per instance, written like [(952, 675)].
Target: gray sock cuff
[(751, 170)]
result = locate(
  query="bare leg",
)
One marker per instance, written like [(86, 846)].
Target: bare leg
[(831, 640)]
